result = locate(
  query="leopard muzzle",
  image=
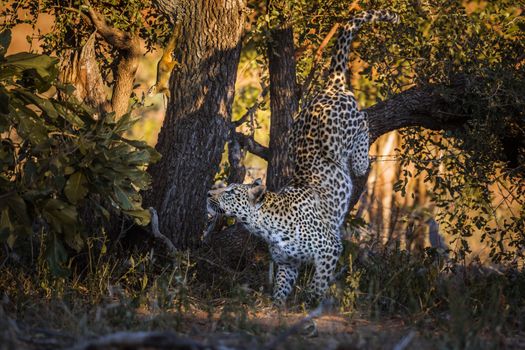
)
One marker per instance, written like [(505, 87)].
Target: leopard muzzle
[(213, 206)]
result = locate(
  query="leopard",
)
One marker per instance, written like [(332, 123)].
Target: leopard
[(301, 222)]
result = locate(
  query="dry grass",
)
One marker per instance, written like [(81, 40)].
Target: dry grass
[(419, 300)]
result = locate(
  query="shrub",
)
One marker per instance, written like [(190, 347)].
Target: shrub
[(56, 158)]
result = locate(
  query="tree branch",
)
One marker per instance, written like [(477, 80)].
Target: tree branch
[(417, 106), (129, 51), (250, 113), (118, 39), (248, 143), (315, 66), (158, 235)]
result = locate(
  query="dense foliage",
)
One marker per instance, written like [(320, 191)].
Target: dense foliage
[(472, 51), (72, 26), (56, 159)]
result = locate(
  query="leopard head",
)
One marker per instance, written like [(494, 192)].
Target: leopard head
[(236, 200)]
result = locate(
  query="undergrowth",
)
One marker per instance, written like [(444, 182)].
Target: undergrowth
[(452, 306)]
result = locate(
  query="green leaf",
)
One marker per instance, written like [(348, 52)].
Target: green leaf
[(44, 66), (104, 211), (60, 215), (18, 206), (69, 115), (122, 198), (154, 156), (136, 143), (6, 227), (45, 105), (124, 124), (4, 101), (11, 240), (75, 188), (29, 127), (68, 170), (4, 234), (74, 240), (144, 281), (138, 157)]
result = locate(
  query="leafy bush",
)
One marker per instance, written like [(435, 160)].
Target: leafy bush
[(475, 171), (56, 158)]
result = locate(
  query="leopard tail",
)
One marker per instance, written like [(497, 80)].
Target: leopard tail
[(339, 63)]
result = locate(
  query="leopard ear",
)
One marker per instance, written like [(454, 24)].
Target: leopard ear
[(257, 182), (256, 195)]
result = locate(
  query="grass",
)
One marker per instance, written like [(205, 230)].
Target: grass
[(387, 296)]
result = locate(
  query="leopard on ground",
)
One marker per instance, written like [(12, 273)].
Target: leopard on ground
[(301, 223)]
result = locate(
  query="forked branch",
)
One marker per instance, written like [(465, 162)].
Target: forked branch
[(129, 51)]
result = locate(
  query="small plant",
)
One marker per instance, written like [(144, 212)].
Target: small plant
[(350, 295)]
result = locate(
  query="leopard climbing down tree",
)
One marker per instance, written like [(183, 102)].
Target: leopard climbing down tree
[(301, 223)]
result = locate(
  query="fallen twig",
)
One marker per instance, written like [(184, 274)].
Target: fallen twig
[(405, 341)]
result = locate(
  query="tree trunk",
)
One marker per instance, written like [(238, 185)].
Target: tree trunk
[(128, 63), (283, 104), (195, 128)]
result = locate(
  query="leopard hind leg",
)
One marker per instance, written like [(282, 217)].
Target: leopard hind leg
[(325, 266), (284, 281)]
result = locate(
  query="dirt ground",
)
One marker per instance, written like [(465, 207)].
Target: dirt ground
[(263, 329)]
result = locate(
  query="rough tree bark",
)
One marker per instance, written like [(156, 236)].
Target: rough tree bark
[(196, 125), (283, 102)]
